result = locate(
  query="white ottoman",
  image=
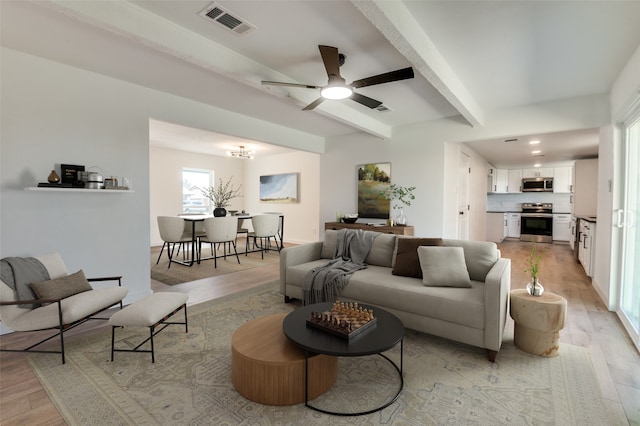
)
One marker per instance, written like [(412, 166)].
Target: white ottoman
[(152, 311)]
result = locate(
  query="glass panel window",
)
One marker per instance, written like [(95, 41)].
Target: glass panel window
[(629, 219), (193, 200)]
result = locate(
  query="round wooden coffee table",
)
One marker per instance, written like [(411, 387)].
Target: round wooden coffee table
[(268, 368)]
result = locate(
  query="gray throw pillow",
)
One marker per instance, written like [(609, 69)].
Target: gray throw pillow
[(443, 266), (61, 287)]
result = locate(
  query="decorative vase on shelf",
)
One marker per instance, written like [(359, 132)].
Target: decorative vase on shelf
[(534, 288), (53, 177), (219, 212), (401, 219)]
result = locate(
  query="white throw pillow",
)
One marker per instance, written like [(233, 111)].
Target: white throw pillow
[(443, 266)]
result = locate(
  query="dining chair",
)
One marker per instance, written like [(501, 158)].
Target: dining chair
[(242, 229), (265, 227), (172, 232), (219, 230), (279, 236)]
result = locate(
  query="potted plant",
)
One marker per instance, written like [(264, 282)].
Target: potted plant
[(534, 287), (221, 196), (399, 196)]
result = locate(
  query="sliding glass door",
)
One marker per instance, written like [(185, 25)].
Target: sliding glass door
[(628, 220)]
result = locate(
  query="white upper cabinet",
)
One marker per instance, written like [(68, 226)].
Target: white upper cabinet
[(514, 183), (498, 182), (537, 172), (563, 180)]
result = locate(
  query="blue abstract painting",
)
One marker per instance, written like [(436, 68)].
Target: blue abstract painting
[(282, 188)]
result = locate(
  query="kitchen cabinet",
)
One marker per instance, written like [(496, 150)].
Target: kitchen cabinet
[(496, 227), (537, 172), (586, 249), (514, 181), (513, 225), (574, 231), (563, 180), (561, 227), (499, 181)]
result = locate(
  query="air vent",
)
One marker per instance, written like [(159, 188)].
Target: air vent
[(229, 21), (382, 108)]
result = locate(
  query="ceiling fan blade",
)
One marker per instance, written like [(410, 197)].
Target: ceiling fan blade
[(331, 60), (280, 83), (313, 104), (401, 74), (365, 100)]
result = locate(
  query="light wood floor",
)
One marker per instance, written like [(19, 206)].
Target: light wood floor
[(23, 401)]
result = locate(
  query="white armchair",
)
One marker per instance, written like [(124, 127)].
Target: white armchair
[(59, 313)]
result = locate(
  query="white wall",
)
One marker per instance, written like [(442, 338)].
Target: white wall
[(165, 181), (54, 113), (624, 92), (418, 158), (301, 218)]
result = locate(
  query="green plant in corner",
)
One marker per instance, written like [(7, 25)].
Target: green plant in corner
[(221, 194)]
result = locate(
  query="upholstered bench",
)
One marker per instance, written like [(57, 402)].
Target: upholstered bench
[(152, 311)]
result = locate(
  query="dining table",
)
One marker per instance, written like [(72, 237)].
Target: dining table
[(194, 218)]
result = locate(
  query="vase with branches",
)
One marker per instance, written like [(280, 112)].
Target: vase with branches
[(534, 287), (221, 195), (399, 196)]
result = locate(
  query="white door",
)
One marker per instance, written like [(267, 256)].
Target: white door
[(628, 217), (464, 170)]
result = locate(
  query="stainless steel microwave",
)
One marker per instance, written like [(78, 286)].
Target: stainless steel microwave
[(538, 184)]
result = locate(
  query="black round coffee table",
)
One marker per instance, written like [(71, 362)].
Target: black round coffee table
[(384, 335)]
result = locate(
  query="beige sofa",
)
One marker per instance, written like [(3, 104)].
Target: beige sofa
[(473, 315)]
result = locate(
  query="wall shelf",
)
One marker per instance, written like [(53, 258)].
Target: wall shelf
[(112, 191)]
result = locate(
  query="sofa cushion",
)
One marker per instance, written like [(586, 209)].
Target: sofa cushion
[(74, 308), (406, 262), (61, 287), (377, 286), (381, 253), (296, 274), (329, 244), (443, 267), (479, 256)]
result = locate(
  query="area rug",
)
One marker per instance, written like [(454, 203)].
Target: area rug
[(179, 274), (190, 383)]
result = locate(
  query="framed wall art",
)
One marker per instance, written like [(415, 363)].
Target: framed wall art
[(373, 179), (281, 189)]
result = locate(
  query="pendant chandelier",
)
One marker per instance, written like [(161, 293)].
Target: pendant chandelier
[(242, 153)]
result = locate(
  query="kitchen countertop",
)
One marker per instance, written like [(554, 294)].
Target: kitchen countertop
[(588, 218)]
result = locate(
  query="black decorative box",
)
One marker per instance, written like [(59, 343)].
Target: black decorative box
[(69, 172)]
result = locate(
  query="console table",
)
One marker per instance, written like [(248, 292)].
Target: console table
[(398, 230)]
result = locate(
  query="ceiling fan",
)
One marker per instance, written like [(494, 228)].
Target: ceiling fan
[(336, 87)]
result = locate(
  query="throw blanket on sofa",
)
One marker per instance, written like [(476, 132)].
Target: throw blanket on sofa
[(19, 272), (352, 247)]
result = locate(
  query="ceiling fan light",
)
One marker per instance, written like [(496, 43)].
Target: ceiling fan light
[(336, 92)]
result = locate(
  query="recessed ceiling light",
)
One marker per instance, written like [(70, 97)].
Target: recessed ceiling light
[(534, 142), (537, 151), (537, 165)]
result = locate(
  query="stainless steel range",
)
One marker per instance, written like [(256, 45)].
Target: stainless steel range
[(536, 222)]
